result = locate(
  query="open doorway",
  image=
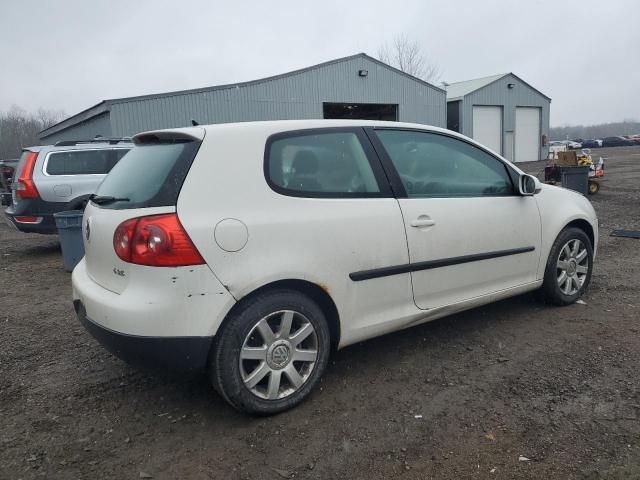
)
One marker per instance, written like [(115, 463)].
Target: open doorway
[(361, 111)]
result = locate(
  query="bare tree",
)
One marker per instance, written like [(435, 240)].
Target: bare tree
[(19, 129), (48, 118), (407, 55), (626, 127)]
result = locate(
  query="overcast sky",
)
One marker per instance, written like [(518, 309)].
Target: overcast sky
[(71, 54)]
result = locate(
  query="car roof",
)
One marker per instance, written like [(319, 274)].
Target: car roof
[(286, 125), (80, 146), (275, 126)]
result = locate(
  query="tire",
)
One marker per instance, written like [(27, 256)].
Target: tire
[(568, 274), (274, 359), (594, 187)]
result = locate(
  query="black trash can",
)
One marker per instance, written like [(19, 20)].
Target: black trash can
[(576, 178), (69, 226), (571, 177)]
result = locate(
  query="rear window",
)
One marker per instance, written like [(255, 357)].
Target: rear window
[(83, 162), (150, 175)]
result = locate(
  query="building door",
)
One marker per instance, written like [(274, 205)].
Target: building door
[(361, 111), (487, 126), (527, 134)]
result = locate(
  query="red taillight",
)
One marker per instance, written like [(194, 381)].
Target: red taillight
[(156, 240), (23, 219), (122, 239), (25, 187)]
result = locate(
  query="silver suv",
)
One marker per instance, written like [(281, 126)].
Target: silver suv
[(54, 178)]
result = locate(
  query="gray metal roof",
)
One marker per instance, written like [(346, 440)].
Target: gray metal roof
[(458, 90), (105, 105)]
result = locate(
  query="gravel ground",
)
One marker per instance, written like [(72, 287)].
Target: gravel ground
[(463, 397)]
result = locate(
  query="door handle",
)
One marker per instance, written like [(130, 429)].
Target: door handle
[(422, 221)]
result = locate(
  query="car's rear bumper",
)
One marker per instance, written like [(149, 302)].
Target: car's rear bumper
[(38, 208), (158, 319), (173, 353)]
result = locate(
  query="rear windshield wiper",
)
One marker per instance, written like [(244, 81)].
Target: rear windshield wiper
[(104, 199)]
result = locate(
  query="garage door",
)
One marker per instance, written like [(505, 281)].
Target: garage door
[(487, 127), (527, 134)]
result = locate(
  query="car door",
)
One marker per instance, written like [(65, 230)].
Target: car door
[(469, 232)]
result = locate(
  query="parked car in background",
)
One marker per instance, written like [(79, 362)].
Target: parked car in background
[(569, 144), (7, 172), (593, 143), (318, 234), (53, 178), (635, 139), (616, 142)]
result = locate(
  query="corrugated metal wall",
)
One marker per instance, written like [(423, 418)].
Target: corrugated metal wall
[(296, 96), (98, 125), (499, 94)]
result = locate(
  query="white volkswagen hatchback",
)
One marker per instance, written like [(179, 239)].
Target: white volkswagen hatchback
[(253, 249)]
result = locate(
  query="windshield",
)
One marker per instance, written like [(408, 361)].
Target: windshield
[(149, 175)]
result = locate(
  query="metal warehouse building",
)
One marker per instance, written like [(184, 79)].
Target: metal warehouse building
[(504, 113), (358, 86)]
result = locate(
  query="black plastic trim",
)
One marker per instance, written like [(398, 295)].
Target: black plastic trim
[(35, 207), (374, 162), (429, 264), (387, 165), (167, 353)]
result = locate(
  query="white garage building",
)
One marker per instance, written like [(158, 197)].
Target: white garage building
[(504, 113)]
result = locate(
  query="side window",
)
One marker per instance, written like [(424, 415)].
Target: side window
[(79, 162), (433, 165), (115, 156), (322, 164)]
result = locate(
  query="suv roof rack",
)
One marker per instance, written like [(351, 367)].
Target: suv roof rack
[(109, 140)]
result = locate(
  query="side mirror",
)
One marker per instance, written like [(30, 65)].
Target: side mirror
[(528, 185)]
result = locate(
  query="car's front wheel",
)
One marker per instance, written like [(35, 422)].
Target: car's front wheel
[(569, 266), (271, 352)]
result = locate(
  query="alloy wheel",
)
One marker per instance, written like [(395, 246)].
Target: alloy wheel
[(572, 267), (278, 355)]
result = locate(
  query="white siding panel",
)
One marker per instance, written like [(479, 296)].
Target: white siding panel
[(527, 134), (487, 126)]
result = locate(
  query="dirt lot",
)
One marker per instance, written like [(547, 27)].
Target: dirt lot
[(556, 385)]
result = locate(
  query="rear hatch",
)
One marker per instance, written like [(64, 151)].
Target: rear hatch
[(147, 181)]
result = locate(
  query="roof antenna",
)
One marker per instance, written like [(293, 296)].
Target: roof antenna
[(194, 123)]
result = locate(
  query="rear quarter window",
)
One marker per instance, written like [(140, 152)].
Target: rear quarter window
[(321, 164)]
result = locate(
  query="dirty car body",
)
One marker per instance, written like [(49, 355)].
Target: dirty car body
[(260, 246)]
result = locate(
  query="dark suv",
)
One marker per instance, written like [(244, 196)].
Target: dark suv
[(53, 178), (616, 142)]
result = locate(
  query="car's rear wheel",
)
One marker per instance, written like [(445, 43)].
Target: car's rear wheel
[(569, 267), (271, 352)]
